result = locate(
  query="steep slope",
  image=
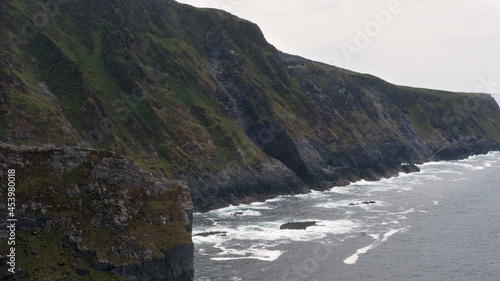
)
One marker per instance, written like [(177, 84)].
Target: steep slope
[(373, 126), (195, 95), (92, 215), (199, 95), (130, 76)]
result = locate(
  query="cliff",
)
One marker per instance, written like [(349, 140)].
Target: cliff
[(199, 95), (92, 214)]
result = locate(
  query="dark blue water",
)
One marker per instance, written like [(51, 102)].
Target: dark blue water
[(440, 224)]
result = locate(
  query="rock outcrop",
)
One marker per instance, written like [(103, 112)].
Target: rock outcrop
[(298, 225), (93, 213)]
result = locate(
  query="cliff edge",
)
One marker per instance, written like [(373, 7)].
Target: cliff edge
[(82, 214)]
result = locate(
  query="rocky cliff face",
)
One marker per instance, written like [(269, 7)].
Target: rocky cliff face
[(93, 214), (379, 126), (199, 95)]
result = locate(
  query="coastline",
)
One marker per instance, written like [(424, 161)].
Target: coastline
[(402, 204), (459, 151)]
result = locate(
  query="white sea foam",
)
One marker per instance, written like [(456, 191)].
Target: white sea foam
[(260, 206), (390, 233), (254, 252), (369, 188), (211, 239), (471, 167), (270, 231), (409, 211), (314, 194), (214, 222), (252, 209), (447, 171), (333, 205), (335, 227), (248, 213), (278, 198), (353, 259), (365, 183), (345, 190)]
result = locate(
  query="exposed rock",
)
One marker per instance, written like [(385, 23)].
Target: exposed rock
[(206, 234), (85, 253), (67, 161), (363, 203), (175, 264), (410, 168), (82, 271), (461, 150), (298, 225), (113, 224), (235, 185)]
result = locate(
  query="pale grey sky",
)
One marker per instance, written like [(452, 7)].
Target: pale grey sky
[(440, 44)]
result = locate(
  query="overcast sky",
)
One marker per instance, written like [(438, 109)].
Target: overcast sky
[(440, 44)]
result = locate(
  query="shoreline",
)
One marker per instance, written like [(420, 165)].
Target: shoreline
[(264, 197)]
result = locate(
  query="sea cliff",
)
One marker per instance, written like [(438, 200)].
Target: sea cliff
[(199, 98)]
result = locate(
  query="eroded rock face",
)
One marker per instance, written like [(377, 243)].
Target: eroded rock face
[(105, 216), (236, 185), (207, 100)]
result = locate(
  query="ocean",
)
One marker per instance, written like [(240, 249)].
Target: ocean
[(442, 223)]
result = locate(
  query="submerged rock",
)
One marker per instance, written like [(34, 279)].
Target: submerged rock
[(364, 203)]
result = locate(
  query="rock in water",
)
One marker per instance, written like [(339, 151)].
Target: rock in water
[(298, 225), (206, 234)]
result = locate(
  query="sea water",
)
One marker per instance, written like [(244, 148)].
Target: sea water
[(442, 223)]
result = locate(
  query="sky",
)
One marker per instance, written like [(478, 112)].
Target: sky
[(439, 44)]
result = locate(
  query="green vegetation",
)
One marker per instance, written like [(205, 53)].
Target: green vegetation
[(185, 93), (45, 257), (151, 83), (77, 204)]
